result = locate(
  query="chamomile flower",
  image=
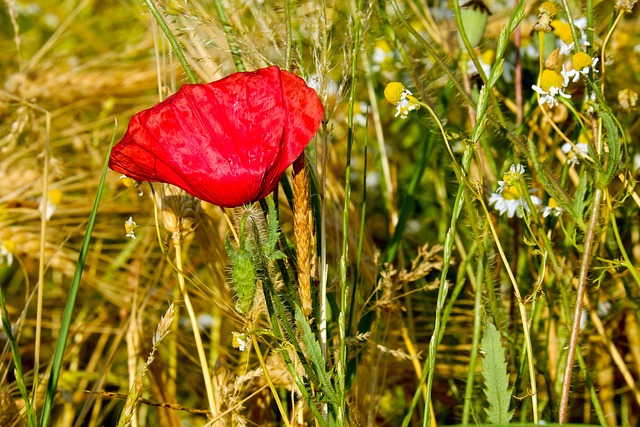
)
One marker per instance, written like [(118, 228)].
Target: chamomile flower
[(239, 341), (552, 84), (506, 199), (130, 226), (510, 178), (627, 99), (6, 253), (509, 202), (52, 202), (485, 60), (625, 6), (402, 98), (552, 209), (572, 157), (547, 11), (582, 65), (382, 56), (131, 183)]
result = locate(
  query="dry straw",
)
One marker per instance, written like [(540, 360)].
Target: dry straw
[(303, 231)]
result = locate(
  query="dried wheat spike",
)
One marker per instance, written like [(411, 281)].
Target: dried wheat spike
[(179, 211), (303, 231)]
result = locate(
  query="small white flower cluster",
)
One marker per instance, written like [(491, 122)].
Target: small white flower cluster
[(239, 340), (581, 24), (130, 227), (511, 177), (574, 75), (551, 210), (549, 97), (511, 206), (6, 256), (506, 199), (406, 105), (573, 158)]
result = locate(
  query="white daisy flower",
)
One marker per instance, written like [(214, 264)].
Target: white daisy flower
[(572, 158), (130, 226), (510, 202), (551, 86)]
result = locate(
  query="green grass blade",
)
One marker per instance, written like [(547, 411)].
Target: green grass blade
[(174, 43), (17, 362), (67, 317)]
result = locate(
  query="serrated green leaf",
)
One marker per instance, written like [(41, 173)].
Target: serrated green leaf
[(580, 200), (277, 255), (496, 378), (615, 151), (272, 226), (314, 353)]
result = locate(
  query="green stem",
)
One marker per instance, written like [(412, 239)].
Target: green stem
[(342, 361), (17, 362), (172, 40), (226, 27), (289, 45), (582, 287), (67, 317), (477, 326)]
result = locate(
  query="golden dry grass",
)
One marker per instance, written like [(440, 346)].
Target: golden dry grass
[(70, 69)]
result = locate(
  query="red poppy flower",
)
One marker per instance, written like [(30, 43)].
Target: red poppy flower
[(228, 142)]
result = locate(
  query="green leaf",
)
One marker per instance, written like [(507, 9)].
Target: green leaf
[(615, 151), (496, 378), (314, 353), (272, 227), (581, 200)]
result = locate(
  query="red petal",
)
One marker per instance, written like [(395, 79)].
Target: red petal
[(228, 142)]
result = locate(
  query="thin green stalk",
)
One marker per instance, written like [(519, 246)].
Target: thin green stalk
[(344, 287), (465, 41), (591, 28), (603, 50), (17, 362), (592, 390), (429, 367), (523, 314), (407, 203), (206, 374), (226, 27), (172, 40), (289, 35), (276, 312), (65, 326), (477, 326), (41, 264), (363, 214), (627, 261), (274, 393), (582, 287)]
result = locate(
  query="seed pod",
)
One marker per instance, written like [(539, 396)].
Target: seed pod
[(244, 276), (474, 16)]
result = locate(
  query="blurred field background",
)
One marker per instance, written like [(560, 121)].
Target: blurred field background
[(69, 69)]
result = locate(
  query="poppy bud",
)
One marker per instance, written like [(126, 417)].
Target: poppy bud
[(244, 280)]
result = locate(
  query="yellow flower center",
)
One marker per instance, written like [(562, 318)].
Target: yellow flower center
[(548, 8), (550, 79), (488, 56), (563, 31), (55, 196), (553, 203), (581, 60), (510, 193), (393, 92), (8, 245)]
